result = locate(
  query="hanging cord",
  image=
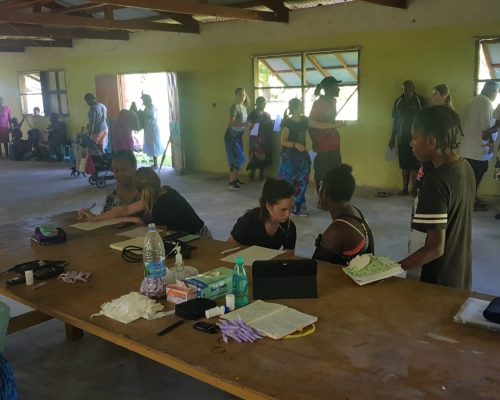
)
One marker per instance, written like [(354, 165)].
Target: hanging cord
[(133, 254)]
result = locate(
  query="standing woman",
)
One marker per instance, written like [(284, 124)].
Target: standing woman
[(152, 139), (233, 137), (5, 113), (323, 130), (295, 164), (260, 146)]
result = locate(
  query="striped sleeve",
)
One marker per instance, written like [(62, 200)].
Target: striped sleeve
[(432, 208)]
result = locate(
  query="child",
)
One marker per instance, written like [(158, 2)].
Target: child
[(445, 202), (162, 205), (260, 145), (124, 167)]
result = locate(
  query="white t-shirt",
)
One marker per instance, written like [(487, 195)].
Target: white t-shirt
[(496, 113), (478, 117)]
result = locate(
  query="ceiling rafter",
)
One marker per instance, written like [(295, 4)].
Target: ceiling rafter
[(89, 22), (390, 3), (193, 8), (341, 60), (36, 43), (79, 7), (278, 6), (19, 30)]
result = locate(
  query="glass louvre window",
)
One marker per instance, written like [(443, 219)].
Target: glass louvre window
[(282, 77), (45, 90), (488, 64)]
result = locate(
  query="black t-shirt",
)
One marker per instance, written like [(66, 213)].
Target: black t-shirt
[(446, 201), (250, 230), (297, 129), (173, 211)]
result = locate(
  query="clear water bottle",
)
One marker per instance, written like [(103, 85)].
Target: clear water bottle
[(153, 255), (240, 283)]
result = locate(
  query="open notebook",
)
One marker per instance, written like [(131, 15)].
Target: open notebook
[(271, 319), (368, 268)]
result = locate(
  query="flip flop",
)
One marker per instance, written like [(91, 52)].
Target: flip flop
[(384, 194)]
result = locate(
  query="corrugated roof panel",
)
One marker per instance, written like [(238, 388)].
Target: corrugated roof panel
[(277, 64), (290, 78), (295, 61), (327, 60)]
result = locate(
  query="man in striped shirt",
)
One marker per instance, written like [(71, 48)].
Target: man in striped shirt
[(445, 202)]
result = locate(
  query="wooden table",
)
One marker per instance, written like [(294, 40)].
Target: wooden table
[(393, 339)]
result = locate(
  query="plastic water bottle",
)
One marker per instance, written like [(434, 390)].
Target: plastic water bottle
[(153, 255), (240, 283)]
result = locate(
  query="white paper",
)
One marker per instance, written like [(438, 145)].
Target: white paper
[(471, 313), (277, 123), (255, 130), (140, 231), (253, 253), (255, 311), (90, 226), (137, 241)]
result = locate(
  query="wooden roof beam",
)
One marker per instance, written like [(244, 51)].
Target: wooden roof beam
[(80, 7), (18, 30), (390, 3), (193, 8), (20, 4), (48, 19), (278, 7), (36, 43)]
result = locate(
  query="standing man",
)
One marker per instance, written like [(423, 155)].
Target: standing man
[(5, 113), (97, 126), (405, 108), (153, 146), (477, 143)]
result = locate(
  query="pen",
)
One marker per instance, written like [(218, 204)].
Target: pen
[(92, 206), (230, 250), (171, 327)]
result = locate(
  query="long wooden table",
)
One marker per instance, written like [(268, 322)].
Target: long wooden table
[(392, 339)]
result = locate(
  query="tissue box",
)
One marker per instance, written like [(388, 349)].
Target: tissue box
[(179, 294), (212, 284)]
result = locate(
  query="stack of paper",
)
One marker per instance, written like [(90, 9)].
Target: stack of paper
[(137, 241), (253, 253), (377, 268), (471, 313), (273, 320)]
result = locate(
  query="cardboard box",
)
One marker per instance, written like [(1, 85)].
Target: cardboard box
[(179, 294), (212, 284)]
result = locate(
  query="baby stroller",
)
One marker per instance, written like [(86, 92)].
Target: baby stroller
[(100, 164)]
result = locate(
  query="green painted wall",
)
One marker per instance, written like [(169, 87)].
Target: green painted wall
[(210, 71)]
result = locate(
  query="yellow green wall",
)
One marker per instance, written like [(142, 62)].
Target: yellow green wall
[(423, 44)]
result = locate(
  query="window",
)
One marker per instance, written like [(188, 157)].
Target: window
[(45, 90), (281, 77), (488, 64)]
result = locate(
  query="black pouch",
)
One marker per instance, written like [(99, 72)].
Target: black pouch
[(194, 309), (58, 237), (492, 312)]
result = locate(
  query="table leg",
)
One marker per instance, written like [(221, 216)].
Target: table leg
[(73, 333)]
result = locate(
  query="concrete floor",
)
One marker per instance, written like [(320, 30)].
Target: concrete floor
[(49, 367)]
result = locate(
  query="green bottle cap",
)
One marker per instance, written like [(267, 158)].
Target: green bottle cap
[(239, 260)]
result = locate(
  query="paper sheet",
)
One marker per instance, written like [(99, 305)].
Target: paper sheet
[(253, 312), (255, 130), (137, 241), (90, 226), (277, 124), (471, 313), (140, 231), (252, 254)]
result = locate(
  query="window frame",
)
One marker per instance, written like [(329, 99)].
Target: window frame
[(303, 55), (46, 93), (479, 42)]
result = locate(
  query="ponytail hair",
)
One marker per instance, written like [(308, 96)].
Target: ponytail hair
[(443, 90), (327, 82), (148, 184)]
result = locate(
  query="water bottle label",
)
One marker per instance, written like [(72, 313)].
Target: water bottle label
[(154, 270)]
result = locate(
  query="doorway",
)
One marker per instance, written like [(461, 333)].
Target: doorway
[(121, 91)]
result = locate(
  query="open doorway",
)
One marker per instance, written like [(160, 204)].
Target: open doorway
[(122, 91)]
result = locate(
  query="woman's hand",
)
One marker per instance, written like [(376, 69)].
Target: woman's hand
[(86, 214), (300, 147)]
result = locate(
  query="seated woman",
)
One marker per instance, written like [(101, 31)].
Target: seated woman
[(161, 205), (349, 235), (124, 167), (268, 225)]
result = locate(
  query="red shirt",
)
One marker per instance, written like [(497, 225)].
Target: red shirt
[(324, 140)]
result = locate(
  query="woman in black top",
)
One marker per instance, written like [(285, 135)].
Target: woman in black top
[(162, 205), (268, 225), (260, 146), (349, 235)]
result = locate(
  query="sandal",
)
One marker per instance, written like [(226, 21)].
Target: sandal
[(384, 194)]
